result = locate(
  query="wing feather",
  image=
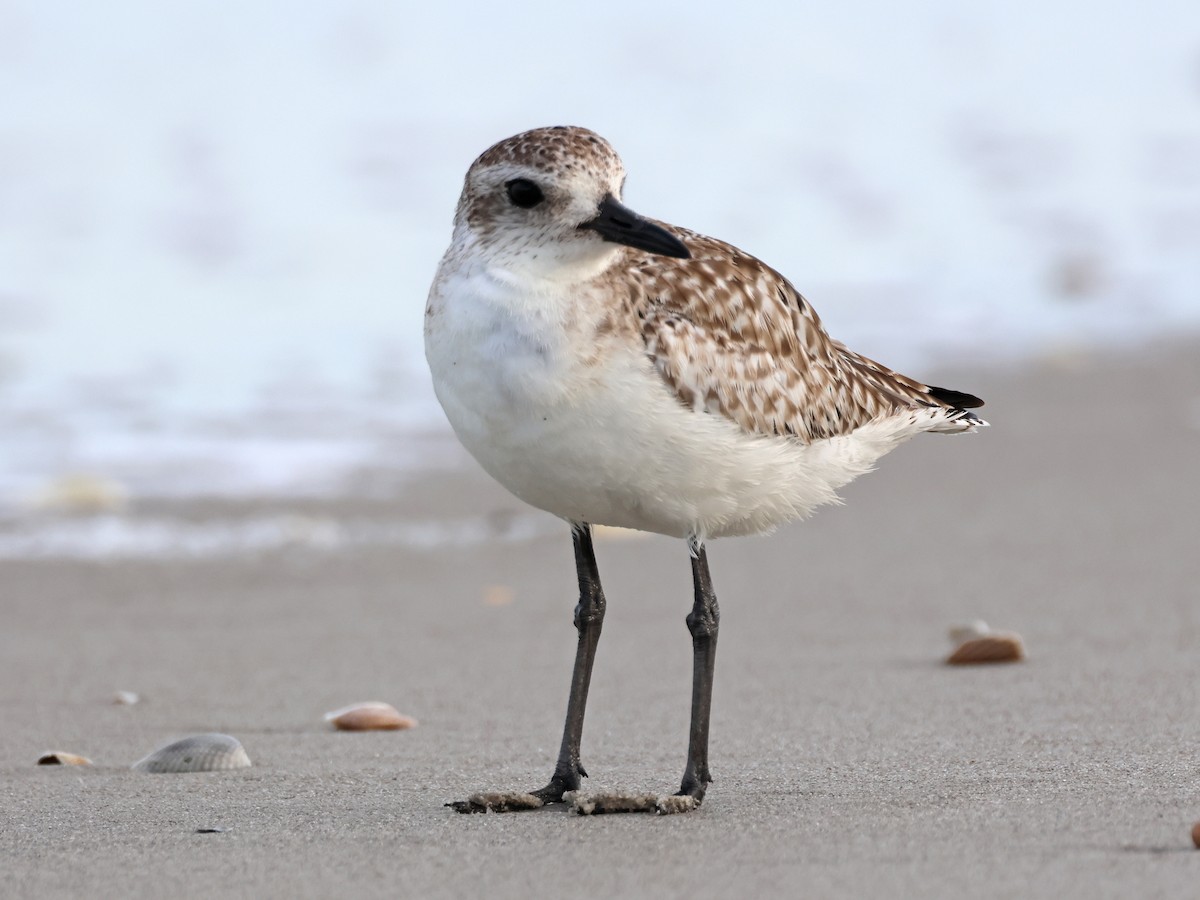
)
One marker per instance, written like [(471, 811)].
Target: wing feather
[(731, 336)]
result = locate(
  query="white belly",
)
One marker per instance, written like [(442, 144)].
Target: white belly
[(607, 442)]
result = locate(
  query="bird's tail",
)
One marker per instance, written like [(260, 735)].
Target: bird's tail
[(958, 421), (956, 407)]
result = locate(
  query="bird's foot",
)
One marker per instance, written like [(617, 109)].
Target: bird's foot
[(609, 802), (519, 801), (497, 801)]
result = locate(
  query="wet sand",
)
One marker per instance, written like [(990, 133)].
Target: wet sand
[(848, 760)]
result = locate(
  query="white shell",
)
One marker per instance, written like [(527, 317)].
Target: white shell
[(125, 698), (198, 753), (968, 632)]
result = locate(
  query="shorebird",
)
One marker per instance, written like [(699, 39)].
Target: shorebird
[(616, 370)]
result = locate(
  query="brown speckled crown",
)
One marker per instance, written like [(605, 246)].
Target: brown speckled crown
[(555, 149)]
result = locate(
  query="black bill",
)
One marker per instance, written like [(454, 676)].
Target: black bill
[(621, 225)]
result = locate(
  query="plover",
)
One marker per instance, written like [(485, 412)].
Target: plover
[(615, 370)]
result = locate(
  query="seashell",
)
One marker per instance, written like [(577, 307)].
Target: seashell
[(969, 631), (1196, 834), (198, 753), (370, 716), (58, 758), (125, 698), (994, 647)]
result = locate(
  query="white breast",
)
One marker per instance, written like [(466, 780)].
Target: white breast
[(584, 428)]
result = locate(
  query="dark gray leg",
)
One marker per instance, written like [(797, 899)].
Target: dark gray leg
[(589, 617), (702, 622)]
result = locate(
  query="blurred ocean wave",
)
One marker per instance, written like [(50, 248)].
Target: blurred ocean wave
[(218, 224), (108, 536)]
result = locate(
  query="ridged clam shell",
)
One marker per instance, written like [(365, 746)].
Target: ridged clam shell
[(994, 647), (58, 758), (198, 753), (369, 716)]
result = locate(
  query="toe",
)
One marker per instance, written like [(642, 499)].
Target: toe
[(677, 803), (600, 803), (497, 801)]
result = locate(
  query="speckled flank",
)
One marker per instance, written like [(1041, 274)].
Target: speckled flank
[(730, 335)]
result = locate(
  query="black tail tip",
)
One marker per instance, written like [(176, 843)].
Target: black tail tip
[(955, 399)]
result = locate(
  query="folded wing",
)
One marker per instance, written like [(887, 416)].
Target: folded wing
[(731, 336)]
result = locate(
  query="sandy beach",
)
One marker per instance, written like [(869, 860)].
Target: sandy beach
[(849, 761)]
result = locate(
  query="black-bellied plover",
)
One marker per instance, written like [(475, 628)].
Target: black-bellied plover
[(615, 370)]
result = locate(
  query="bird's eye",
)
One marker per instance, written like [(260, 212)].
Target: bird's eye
[(524, 193)]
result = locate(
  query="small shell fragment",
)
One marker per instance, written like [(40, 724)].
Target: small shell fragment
[(369, 716), (58, 758), (1196, 835), (198, 753), (994, 647), (125, 698), (969, 631)]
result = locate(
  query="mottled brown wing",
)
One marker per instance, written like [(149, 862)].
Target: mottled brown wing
[(730, 335)]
